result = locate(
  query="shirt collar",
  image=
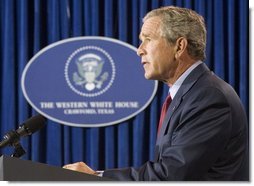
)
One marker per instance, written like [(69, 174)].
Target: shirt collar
[(175, 87)]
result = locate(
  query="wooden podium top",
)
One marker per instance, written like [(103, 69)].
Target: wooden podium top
[(14, 169)]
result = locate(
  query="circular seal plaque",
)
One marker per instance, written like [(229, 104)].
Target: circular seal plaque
[(87, 82)]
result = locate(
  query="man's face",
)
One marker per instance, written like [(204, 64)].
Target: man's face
[(157, 55)]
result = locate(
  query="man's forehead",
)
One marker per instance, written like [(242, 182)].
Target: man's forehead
[(151, 25)]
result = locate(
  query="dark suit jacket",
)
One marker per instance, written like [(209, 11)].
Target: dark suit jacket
[(204, 135)]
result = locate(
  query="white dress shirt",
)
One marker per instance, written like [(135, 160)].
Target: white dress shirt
[(175, 87)]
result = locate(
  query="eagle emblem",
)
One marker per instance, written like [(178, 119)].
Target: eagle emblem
[(89, 74)]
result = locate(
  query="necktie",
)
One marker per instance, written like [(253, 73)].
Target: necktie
[(164, 111)]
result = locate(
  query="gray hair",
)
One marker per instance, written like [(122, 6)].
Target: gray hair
[(182, 22)]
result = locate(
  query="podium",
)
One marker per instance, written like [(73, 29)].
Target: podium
[(14, 169)]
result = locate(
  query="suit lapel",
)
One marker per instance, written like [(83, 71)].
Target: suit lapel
[(190, 80)]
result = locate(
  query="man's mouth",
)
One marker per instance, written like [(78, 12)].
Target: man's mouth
[(144, 62)]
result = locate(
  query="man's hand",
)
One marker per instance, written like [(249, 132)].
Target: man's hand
[(80, 167)]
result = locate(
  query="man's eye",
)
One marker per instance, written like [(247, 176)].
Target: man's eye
[(148, 39)]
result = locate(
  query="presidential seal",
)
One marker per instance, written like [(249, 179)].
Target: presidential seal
[(89, 71)]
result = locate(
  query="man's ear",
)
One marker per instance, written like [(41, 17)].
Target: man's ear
[(181, 46)]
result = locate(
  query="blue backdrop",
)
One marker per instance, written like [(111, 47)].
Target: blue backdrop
[(30, 25)]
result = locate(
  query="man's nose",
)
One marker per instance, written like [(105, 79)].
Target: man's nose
[(140, 51)]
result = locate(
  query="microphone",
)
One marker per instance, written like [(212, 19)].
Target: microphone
[(29, 127)]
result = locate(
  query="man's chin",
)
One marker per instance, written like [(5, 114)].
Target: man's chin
[(149, 77)]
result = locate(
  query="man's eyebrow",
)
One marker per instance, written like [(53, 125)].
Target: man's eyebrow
[(142, 35)]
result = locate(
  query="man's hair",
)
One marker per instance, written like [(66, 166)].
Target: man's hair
[(182, 22)]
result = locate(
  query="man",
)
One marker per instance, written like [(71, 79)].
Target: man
[(203, 135)]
